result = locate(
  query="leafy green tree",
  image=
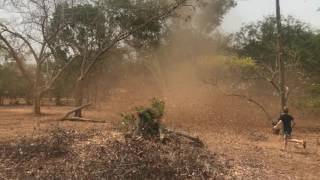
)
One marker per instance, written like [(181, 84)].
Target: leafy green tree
[(12, 84), (63, 87), (93, 31), (128, 15), (31, 43), (258, 40), (39, 39), (300, 48)]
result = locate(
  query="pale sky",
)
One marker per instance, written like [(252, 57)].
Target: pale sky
[(248, 11)]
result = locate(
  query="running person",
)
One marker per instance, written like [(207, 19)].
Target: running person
[(288, 123)]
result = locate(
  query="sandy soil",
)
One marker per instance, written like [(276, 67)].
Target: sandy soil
[(252, 153)]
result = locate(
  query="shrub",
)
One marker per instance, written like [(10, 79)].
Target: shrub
[(144, 121)]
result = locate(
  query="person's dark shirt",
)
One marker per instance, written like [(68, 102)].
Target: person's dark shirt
[(286, 120)]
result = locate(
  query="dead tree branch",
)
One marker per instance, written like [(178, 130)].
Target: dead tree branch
[(253, 102), (244, 97), (184, 135), (74, 110), (77, 119)]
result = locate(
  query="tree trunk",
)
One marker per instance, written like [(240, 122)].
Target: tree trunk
[(37, 92), (280, 61), (28, 100), (58, 99), (79, 98), (37, 103)]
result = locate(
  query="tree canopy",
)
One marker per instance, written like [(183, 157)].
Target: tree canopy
[(301, 44), (12, 84)]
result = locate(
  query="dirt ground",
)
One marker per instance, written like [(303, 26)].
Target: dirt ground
[(252, 152)]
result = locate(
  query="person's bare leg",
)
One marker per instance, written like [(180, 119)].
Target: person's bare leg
[(285, 141), (302, 142)]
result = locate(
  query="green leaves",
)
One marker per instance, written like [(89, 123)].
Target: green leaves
[(128, 15), (301, 44), (12, 83), (147, 119)]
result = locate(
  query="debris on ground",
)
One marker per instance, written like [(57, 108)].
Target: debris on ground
[(257, 136), (64, 154)]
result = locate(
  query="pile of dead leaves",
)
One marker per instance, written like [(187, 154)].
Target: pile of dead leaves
[(94, 155)]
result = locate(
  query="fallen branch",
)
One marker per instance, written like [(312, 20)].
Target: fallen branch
[(260, 106), (253, 102), (184, 135), (74, 110), (77, 119)]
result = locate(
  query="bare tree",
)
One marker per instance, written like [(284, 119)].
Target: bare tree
[(30, 41), (36, 41), (104, 37)]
